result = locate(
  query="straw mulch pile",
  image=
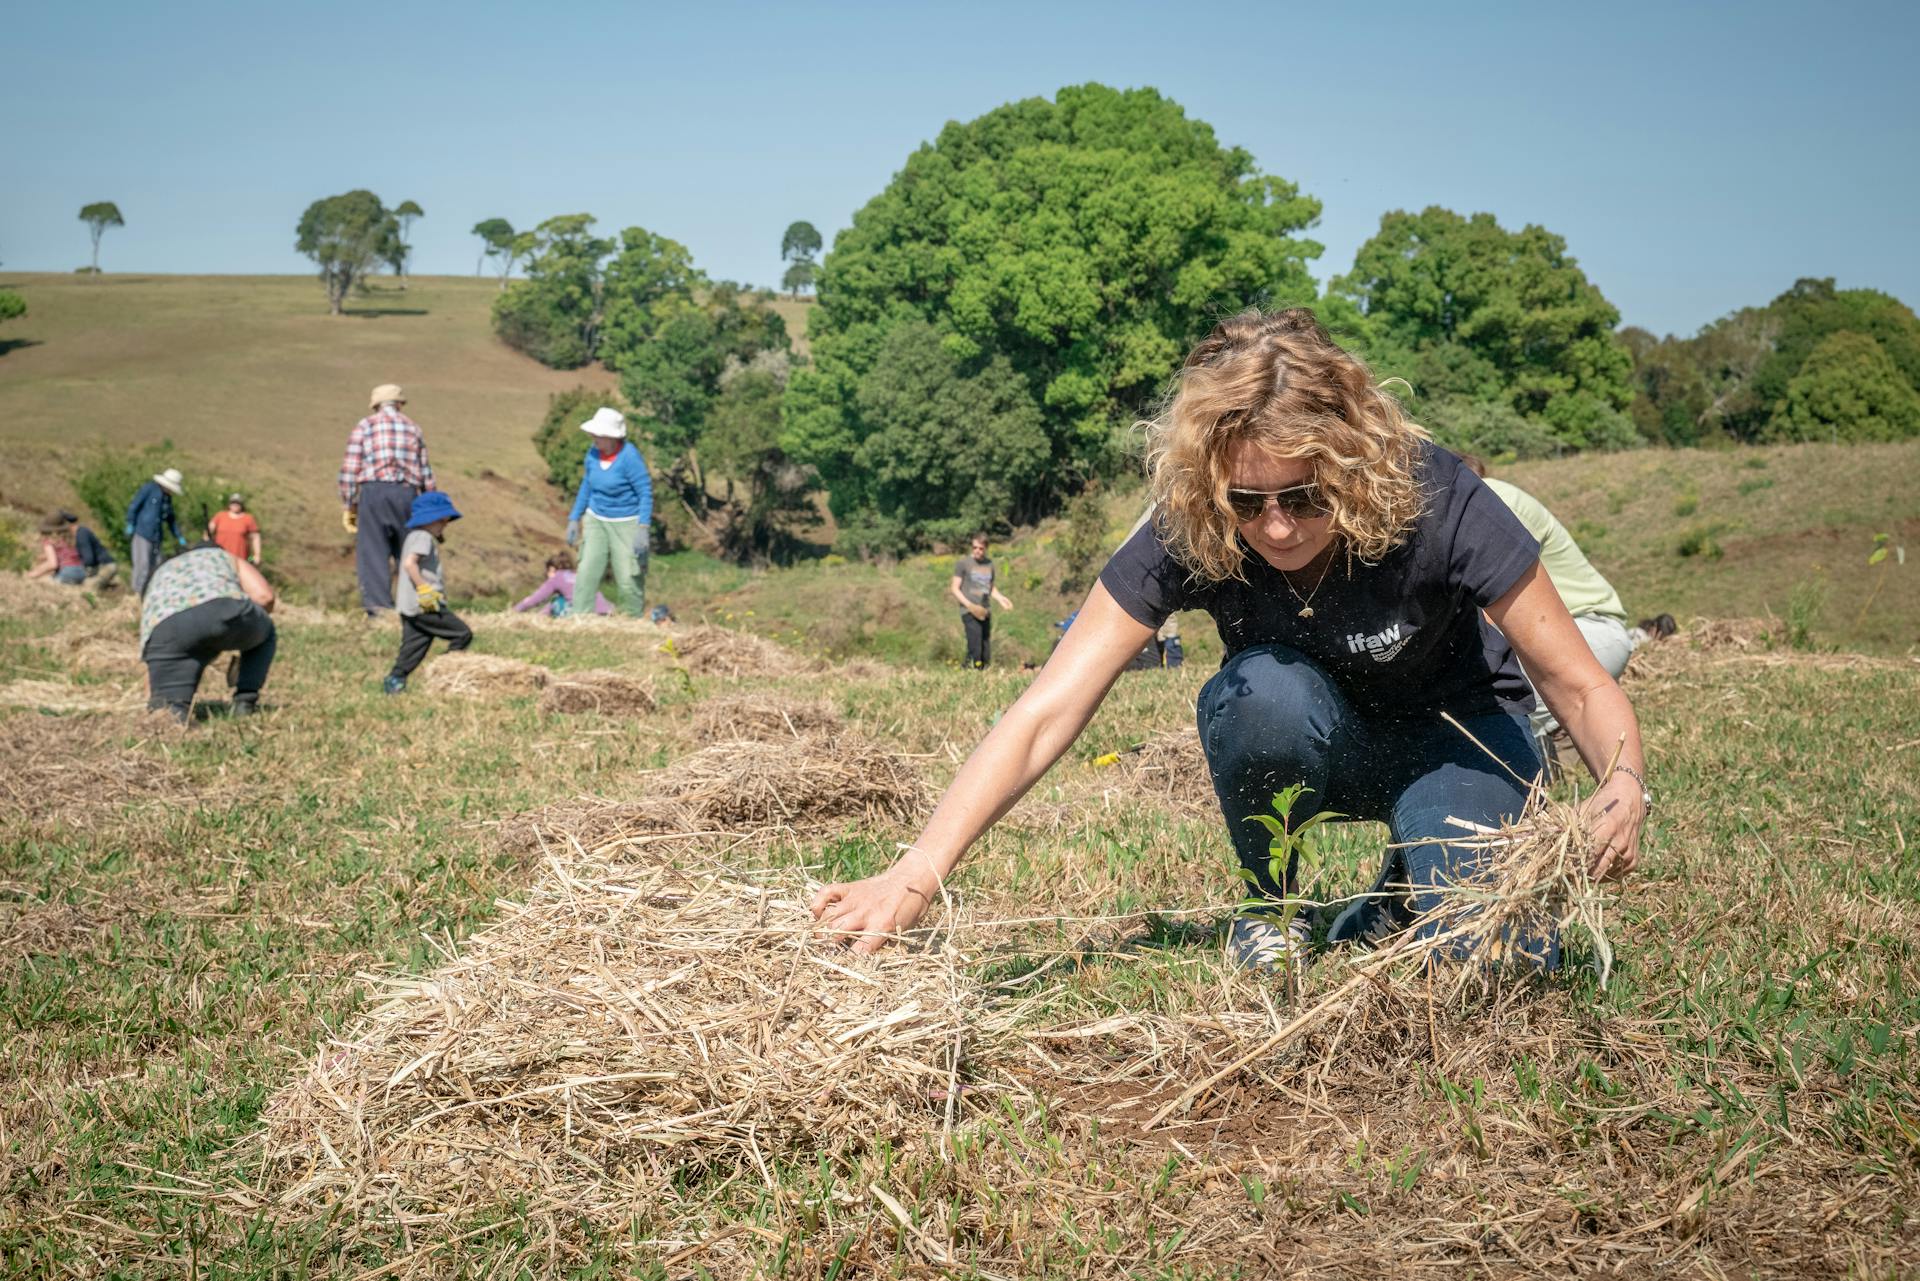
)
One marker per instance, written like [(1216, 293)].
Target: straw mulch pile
[(627, 1023), (762, 716), (60, 696), (472, 675), (721, 651), (800, 784), (740, 790), (608, 692)]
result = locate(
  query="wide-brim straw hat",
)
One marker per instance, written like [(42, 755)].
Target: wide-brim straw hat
[(606, 421), (171, 481), (386, 392)]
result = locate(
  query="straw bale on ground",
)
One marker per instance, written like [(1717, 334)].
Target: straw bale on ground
[(801, 783), (762, 716), (483, 676), (607, 692), (721, 651), (627, 1021)]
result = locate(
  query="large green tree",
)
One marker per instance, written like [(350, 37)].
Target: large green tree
[(1848, 389), (345, 235), (1813, 311), (1079, 245), (554, 314), (1466, 310), (99, 216), (494, 234)]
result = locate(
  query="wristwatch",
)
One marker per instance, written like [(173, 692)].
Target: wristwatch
[(1646, 794)]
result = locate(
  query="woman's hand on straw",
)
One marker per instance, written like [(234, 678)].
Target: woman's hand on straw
[(1614, 817), (866, 914)]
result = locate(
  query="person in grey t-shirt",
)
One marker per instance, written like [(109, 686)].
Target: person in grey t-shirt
[(421, 600), (973, 588)]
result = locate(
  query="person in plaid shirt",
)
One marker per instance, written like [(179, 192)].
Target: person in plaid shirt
[(385, 467)]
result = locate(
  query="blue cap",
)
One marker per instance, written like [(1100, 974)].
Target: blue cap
[(429, 507)]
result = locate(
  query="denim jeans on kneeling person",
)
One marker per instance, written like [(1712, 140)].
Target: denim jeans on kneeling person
[(1271, 718)]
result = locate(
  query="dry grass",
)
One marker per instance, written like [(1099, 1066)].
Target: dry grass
[(761, 716), (721, 651), (610, 693), (801, 784), (73, 770), (1168, 768), (472, 675), (629, 1022)]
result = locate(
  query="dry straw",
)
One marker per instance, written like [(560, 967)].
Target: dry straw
[(625, 1023), (473, 675), (762, 716), (606, 692), (720, 651)]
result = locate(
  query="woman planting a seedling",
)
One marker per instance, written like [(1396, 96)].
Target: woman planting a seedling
[(1347, 562)]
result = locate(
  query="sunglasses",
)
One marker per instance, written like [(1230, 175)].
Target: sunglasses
[(1302, 502)]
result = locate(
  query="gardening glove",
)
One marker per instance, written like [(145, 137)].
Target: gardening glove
[(573, 532), (643, 541), (431, 598), (350, 520), (128, 531)]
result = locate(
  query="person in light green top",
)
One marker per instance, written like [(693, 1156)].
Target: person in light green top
[(1595, 606)]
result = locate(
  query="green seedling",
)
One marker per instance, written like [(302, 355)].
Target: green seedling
[(1287, 847)]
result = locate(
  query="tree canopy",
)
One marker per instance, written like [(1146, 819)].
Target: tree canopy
[(98, 216), (346, 235), (495, 235), (1470, 313), (801, 240), (12, 305), (1069, 251), (1734, 379), (401, 247)]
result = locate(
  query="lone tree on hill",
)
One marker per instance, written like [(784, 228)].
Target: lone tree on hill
[(12, 305), (98, 216), (492, 232), (798, 246), (403, 242), (346, 235), (800, 275)]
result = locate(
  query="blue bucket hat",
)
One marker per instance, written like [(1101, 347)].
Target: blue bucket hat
[(429, 507)]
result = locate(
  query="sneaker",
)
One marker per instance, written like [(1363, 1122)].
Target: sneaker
[(1372, 921), (394, 685), (1262, 943)]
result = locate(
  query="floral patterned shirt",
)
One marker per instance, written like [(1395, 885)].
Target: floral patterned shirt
[(189, 579)]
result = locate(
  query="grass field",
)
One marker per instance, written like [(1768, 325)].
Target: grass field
[(186, 918), (193, 922)]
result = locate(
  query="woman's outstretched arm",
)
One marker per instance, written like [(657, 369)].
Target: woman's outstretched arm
[(1009, 760)]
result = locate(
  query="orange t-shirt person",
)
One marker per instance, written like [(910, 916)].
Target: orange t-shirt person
[(235, 530)]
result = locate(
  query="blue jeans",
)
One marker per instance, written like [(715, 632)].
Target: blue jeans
[(1270, 718)]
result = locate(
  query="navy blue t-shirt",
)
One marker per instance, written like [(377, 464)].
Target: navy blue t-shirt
[(1403, 638)]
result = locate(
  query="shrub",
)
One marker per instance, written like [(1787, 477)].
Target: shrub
[(1083, 541), (107, 480), (559, 439), (1702, 541)]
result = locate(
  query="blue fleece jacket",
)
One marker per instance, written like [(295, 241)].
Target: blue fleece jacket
[(150, 511), (617, 492)]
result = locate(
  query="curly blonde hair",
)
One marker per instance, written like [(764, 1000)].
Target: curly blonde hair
[(1275, 380)]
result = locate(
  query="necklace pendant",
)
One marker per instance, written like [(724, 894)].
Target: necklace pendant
[(1306, 611)]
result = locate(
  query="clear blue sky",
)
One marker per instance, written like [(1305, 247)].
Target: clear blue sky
[(1696, 157)]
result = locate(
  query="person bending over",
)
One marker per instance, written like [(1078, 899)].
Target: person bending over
[(199, 605), (1346, 562)]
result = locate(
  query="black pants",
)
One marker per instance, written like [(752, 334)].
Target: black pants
[(979, 639), (181, 645), (383, 507), (419, 631)]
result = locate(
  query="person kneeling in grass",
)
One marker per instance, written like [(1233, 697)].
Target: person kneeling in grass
[(557, 592), (422, 598), (1346, 561)]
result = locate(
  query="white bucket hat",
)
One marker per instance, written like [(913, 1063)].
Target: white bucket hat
[(170, 480), (606, 421)]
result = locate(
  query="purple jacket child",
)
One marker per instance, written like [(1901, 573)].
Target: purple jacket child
[(559, 590)]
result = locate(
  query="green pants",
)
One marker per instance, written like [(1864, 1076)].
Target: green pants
[(604, 545)]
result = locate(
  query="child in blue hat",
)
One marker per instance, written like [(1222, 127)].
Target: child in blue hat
[(422, 599)]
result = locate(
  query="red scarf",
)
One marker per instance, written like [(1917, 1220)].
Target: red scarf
[(609, 455)]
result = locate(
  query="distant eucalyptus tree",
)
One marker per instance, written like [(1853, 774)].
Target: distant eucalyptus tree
[(98, 216)]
